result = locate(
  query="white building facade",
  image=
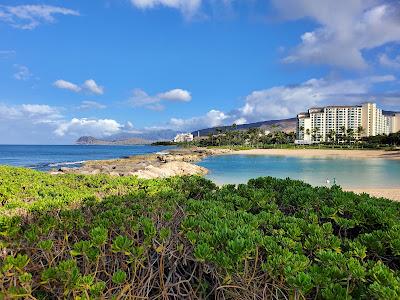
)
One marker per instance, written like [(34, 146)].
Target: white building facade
[(330, 123), (183, 138)]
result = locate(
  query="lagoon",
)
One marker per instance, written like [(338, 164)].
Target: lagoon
[(349, 173)]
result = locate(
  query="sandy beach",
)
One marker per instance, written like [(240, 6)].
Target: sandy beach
[(389, 193), (323, 153)]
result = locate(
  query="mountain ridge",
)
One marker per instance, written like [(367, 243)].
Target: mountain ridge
[(90, 140)]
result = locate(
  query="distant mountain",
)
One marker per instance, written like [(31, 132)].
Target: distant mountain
[(150, 135), (286, 125), (90, 140), (389, 113), (130, 138)]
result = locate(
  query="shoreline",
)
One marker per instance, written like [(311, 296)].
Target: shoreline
[(334, 153), (391, 193), (178, 162), (168, 163)]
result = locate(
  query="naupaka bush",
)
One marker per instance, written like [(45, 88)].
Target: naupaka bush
[(93, 237)]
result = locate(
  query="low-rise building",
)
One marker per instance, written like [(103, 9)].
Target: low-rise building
[(183, 138)]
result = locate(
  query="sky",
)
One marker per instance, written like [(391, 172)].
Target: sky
[(103, 67)]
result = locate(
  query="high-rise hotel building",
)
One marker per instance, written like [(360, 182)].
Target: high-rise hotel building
[(326, 123)]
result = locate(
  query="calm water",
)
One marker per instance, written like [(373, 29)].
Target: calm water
[(46, 157), (348, 172)]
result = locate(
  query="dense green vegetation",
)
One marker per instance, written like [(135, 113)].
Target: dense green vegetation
[(91, 237), (164, 143), (253, 137), (392, 139)]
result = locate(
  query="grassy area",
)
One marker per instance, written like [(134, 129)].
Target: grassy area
[(97, 237)]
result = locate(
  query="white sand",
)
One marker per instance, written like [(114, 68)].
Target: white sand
[(323, 153), (389, 193)]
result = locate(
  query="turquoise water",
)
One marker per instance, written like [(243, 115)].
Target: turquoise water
[(347, 172)]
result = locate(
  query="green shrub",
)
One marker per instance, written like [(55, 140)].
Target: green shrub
[(90, 237)]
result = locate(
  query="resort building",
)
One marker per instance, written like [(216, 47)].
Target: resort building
[(330, 123), (183, 137)]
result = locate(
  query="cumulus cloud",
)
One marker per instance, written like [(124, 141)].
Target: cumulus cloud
[(34, 123), (89, 85), (36, 113), (93, 127), (22, 72), (187, 7), (210, 119), (287, 101), (346, 29), (141, 99), (66, 85), (176, 95), (282, 102), (91, 105), (31, 16)]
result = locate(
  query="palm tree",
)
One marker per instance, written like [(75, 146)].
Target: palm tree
[(332, 136), (360, 131), (343, 132), (308, 132), (314, 133), (350, 135), (301, 129)]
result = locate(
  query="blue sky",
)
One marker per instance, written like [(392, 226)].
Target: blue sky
[(72, 68)]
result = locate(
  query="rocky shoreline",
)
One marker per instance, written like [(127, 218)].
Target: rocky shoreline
[(164, 164)]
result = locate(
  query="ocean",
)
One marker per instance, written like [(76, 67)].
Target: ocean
[(43, 158)]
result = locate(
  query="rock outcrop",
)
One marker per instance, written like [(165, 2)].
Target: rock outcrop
[(166, 164)]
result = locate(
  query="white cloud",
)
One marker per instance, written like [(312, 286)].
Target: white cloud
[(31, 16), (176, 95), (36, 113), (63, 84), (92, 127), (22, 72), (141, 99), (91, 105), (211, 119), (281, 102), (128, 126), (187, 7), (287, 101), (388, 62), (89, 85), (92, 86), (381, 78), (5, 54), (346, 29), (240, 121), (34, 123)]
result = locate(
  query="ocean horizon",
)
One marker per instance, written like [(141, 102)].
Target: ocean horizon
[(47, 157)]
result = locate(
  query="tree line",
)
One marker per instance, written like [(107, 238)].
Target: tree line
[(253, 137)]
